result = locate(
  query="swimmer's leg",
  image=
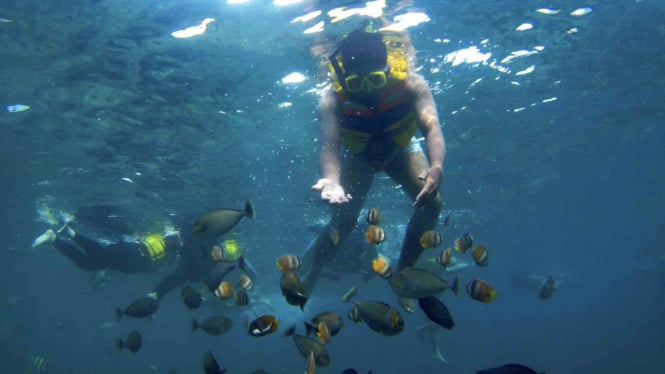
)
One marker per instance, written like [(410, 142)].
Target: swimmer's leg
[(356, 179), (405, 170)]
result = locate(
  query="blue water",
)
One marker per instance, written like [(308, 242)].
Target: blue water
[(557, 172)]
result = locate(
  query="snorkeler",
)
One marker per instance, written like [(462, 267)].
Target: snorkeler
[(369, 118)]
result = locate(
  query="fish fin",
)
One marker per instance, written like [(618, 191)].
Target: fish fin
[(455, 286), (310, 329), (437, 352), (249, 209), (119, 344), (302, 300)]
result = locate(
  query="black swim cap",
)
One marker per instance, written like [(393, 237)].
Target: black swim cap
[(363, 51)]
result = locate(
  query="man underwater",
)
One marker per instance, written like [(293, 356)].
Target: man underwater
[(369, 118)]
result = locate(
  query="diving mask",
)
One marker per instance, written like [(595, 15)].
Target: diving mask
[(373, 80), (354, 83)]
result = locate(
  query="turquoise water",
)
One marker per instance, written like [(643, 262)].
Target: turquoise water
[(555, 163)]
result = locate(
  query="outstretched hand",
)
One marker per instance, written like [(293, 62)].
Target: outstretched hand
[(332, 192), (432, 177)]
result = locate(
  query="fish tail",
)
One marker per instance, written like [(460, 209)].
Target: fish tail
[(119, 345), (303, 301), (455, 286), (118, 313), (195, 325), (249, 209)]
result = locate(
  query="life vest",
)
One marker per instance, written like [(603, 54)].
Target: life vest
[(154, 246), (232, 251), (377, 131)]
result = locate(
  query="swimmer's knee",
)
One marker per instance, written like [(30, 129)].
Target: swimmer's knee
[(433, 206), (343, 226)]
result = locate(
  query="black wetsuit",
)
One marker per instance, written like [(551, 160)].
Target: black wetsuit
[(125, 257), (194, 265)]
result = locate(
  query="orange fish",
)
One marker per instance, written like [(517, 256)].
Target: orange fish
[(288, 263), (217, 253), (245, 282), (323, 332), (481, 291), (381, 266), (374, 235), (444, 257), (480, 256), (225, 290), (463, 243), (374, 216), (262, 326), (430, 239)]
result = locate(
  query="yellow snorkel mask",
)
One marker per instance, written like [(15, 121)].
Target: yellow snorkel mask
[(396, 68)]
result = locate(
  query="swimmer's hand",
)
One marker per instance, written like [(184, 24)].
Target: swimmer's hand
[(332, 192), (432, 178)]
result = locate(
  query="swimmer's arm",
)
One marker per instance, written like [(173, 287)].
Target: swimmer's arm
[(428, 120), (329, 163)]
